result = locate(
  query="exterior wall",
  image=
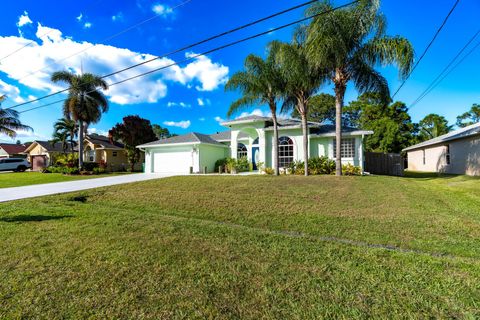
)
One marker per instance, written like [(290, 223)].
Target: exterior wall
[(434, 159), (114, 163), (325, 146), (209, 155), (38, 150), (464, 157)]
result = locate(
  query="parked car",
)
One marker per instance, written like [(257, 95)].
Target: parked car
[(14, 164)]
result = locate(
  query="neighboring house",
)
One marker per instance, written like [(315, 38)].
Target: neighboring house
[(41, 154), (250, 137), (10, 150), (99, 149), (457, 152)]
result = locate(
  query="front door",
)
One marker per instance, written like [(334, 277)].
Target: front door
[(255, 157)]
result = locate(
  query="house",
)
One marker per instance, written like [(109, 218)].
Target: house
[(41, 154), (11, 150), (100, 149), (250, 137), (457, 152)]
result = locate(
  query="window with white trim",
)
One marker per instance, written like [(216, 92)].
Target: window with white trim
[(285, 152), (241, 151), (347, 150)]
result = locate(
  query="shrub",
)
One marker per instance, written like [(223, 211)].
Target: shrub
[(269, 171), (242, 164), (221, 163), (66, 160), (67, 170), (98, 170), (89, 166), (321, 165), (351, 170)]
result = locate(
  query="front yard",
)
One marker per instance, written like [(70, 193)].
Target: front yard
[(246, 247), (18, 179)]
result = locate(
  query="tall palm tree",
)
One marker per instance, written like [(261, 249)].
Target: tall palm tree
[(260, 83), (67, 127), (85, 103), (9, 122), (302, 80), (350, 43)]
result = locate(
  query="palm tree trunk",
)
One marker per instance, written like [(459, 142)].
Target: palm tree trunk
[(339, 96), (305, 140), (275, 143), (80, 144)]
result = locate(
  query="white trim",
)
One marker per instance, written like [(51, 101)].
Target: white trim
[(353, 133), (145, 146)]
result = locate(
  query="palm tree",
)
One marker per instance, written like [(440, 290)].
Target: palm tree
[(432, 126), (9, 122), (302, 80), (67, 127), (260, 83), (85, 103), (62, 137), (350, 43)]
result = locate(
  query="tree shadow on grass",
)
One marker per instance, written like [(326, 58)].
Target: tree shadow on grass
[(33, 218)]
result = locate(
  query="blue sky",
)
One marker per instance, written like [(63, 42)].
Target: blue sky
[(191, 97)]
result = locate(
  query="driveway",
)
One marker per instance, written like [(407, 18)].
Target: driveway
[(9, 194)]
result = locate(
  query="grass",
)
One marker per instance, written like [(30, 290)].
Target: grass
[(18, 179), (246, 247)]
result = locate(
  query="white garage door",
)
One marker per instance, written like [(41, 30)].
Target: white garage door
[(172, 162)]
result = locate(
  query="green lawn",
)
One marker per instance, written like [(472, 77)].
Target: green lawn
[(246, 247), (18, 179)]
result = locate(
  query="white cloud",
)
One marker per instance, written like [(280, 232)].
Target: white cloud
[(118, 17), (12, 92), (24, 136), (87, 25), (98, 131), (162, 9), (203, 102), (218, 119), (184, 124), (256, 112), (80, 17), (24, 19), (210, 74), (178, 104), (33, 66)]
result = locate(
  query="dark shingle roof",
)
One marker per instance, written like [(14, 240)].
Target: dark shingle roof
[(57, 147), (13, 148), (103, 141), (454, 135), (192, 137)]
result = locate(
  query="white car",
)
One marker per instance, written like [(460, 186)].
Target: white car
[(14, 164)]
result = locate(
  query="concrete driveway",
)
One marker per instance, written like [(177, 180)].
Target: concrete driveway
[(9, 194)]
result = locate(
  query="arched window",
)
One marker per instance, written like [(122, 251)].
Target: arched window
[(241, 151), (285, 152)]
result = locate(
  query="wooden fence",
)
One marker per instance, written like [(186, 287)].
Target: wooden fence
[(391, 164)]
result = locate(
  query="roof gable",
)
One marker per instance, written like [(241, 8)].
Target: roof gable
[(103, 141)]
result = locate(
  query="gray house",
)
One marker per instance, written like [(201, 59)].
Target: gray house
[(457, 152)]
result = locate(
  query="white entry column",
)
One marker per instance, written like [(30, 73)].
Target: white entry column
[(262, 146), (234, 144)]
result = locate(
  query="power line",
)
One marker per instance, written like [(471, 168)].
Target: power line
[(104, 40), (450, 71), (186, 47), (428, 47), (436, 81), (212, 50), (40, 37)]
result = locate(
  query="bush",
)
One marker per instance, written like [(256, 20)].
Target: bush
[(89, 166), (316, 165), (269, 171), (221, 163), (242, 164), (351, 170), (98, 170), (66, 160)]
